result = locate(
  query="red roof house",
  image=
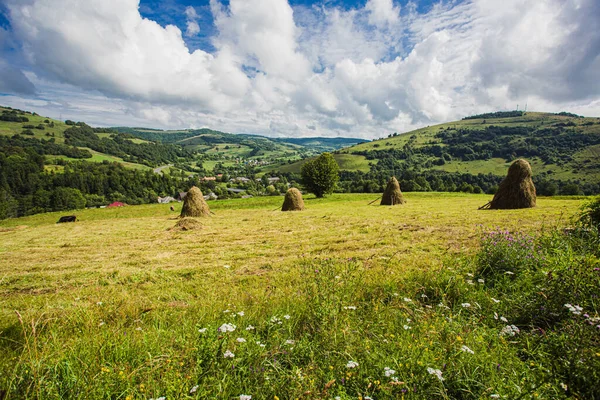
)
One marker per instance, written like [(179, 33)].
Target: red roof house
[(116, 204)]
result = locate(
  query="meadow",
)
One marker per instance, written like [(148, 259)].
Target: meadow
[(343, 300)]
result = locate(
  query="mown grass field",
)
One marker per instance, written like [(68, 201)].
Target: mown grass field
[(119, 306)]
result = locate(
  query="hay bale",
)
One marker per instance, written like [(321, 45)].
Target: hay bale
[(517, 189), (392, 195), (187, 224), (194, 204), (293, 201)]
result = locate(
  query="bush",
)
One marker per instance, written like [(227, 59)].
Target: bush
[(590, 215)]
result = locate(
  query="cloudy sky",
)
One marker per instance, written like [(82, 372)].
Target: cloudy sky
[(354, 68)]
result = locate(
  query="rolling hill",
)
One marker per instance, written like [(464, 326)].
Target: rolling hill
[(562, 147)]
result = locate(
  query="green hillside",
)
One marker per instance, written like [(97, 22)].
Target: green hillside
[(560, 146)]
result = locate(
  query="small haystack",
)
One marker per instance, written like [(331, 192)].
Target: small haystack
[(293, 201), (187, 224), (392, 195), (516, 190), (194, 204)]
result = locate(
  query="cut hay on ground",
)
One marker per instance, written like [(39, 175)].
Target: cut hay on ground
[(293, 201), (187, 224), (194, 204), (516, 190), (392, 195)]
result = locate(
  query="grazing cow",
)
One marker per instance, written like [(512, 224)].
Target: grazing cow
[(67, 218)]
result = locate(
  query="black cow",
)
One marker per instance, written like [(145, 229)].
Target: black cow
[(67, 218)]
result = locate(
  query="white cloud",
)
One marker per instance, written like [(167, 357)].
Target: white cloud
[(322, 70)]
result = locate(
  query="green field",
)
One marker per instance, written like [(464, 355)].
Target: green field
[(348, 162), (120, 306), (99, 157), (15, 128)]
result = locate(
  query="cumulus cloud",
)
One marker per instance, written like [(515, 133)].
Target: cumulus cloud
[(278, 70)]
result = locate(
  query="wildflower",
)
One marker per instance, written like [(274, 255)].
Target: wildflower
[(480, 280), (101, 323), (337, 277), (495, 315), (351, 364), (226, 266), (466, 305), (226, 311), (99, 303), (408, 320), (495, 301), (406, 327), (509, 273), (337, 398), (139, 328), (495, 396), (503, 319), (564, 386), (245, 397), (227, 328), (289, 341), (240, 340), (228, 354), (194, 389), (435, 372), (509, 330), (241, 313), (406, 299), (202, 330), (469, 274), (388, 372), (275, 320), (466, 349), (249, 328), (350, 308), (576, 310), (470, 282)]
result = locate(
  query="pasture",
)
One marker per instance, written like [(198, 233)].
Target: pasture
[(342, 300)]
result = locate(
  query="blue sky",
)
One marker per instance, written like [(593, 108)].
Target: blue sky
[(297, 68)]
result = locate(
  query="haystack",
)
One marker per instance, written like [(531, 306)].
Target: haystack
[(194, 204), (392, 194), (187, 224), (293, 201), (517, 189)]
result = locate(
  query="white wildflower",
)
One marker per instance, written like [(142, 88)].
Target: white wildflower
[(101, 323), (509, 273), (194, 389), (337, 398), (406, 327), (228, 354), (495, 301), (226, 311), (576, 310), (139, 328), (470, 282), (388, 372), (99, 303), (408, 320), (466, 305), (287, 316), (480, 280), (396, 294), (503, 319), (509, 330), (245, 397), (275, 320), (406, 299), (350, 308), (227, 328), (495, 315), (351, 364), (240, 340), (435, 372), (289, 341), (202, 330), (241, 313), (249, 328), (469, 274), (467, 350), (337, 277), (564, 386), (495, 396), (226, 266)]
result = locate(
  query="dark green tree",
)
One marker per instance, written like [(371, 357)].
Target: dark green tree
[(320, 175)]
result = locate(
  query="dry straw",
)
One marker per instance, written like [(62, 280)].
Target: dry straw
[(293, 201), (187, 224), (194, 204), (517, 189), (392, 195)]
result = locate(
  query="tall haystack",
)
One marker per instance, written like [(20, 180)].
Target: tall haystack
[(517, 189), (293, 201), (194, 204), (392, 195)]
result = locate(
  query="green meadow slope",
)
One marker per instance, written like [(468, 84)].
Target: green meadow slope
[(563, 147)]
